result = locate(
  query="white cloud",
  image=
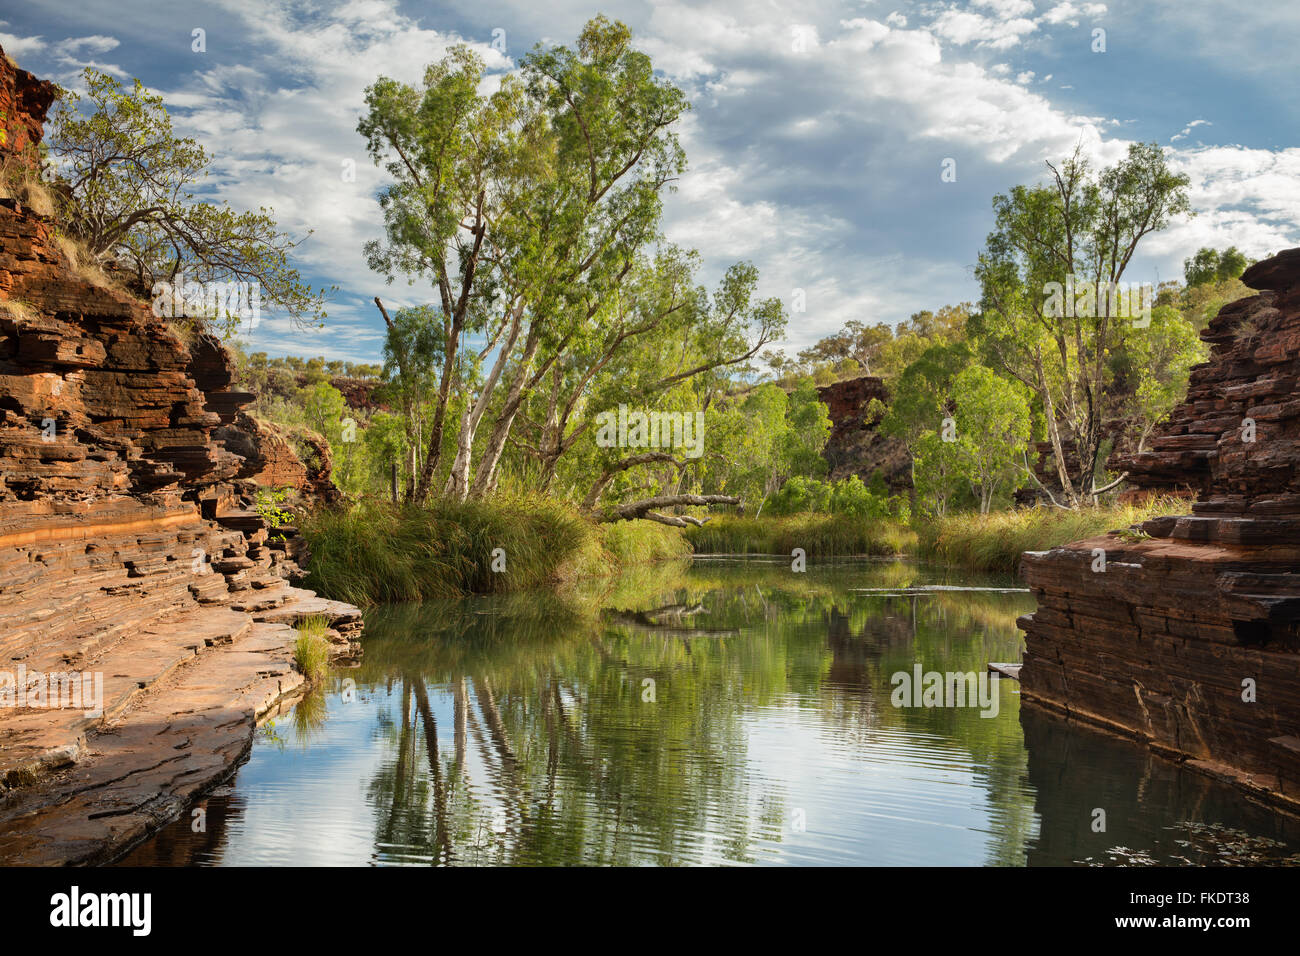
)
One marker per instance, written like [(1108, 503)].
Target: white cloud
[(17, 46), (1070, 14), (963, 28), (1188, 129), (1006, 8), (806, 162)]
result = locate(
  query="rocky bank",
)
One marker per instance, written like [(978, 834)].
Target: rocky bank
[(1185, 632), (130, 553)]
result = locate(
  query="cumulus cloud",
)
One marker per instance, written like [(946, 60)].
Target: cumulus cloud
[(1071, 14), (816, 141)]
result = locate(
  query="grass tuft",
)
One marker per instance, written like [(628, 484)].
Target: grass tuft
[(311, 652), (995, 542)]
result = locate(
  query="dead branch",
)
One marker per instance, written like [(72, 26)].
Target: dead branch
[(647, 508)]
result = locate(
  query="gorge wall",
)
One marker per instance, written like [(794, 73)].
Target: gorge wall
[(1185, 632), (855, 446), (130, 553)]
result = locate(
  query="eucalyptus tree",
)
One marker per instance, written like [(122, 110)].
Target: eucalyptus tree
[(459, 161), (526, 207), (1079, 232), (614, 154)]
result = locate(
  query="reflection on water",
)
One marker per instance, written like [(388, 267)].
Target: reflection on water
[(726, 712)]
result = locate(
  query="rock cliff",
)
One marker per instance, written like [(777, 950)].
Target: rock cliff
[(855, 446), (130, 553), (1185, 632)]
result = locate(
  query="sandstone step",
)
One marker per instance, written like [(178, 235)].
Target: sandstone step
[(37, 740), (163, 752)]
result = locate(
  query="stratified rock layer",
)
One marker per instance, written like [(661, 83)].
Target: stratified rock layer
[(129, 548), (1185, 632)]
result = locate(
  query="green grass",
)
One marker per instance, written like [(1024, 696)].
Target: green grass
[(819, 535), (994, 542), (311, 652), (375, 553), (642, 542), (991, 542)]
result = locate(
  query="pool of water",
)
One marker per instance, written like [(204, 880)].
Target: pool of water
[(725, 712)]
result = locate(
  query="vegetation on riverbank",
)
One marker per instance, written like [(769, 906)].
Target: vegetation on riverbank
[(991, 542), (820, 535), (311, 651), (375, 553), (995, 542)]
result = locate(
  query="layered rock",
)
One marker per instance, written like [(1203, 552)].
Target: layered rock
[(130, 547), (1185, 631), (855, 446)]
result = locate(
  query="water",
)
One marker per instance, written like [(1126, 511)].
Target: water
[(729, 712)]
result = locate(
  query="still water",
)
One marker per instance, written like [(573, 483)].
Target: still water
[(724, 712)]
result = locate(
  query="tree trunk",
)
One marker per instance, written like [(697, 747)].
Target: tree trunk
[(485, 474), (1053, 432)]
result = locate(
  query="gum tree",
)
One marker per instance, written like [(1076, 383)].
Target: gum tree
[(1082, 229)]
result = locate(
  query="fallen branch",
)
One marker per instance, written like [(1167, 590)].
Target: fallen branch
[(648, 508), (1104, 488), (593, 496)]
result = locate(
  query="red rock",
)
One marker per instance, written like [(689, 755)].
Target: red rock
[(1205, 610), (120, 453)]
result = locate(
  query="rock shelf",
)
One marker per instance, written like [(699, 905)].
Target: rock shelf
[(1184, 632), (132, 555)]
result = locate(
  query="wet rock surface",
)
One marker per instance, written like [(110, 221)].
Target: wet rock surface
[(1185, 632)]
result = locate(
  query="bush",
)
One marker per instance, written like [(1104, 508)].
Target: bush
[(820, 535), (848, 496), (376, 553)]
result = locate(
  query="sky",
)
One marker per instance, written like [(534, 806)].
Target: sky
[(818, 139)]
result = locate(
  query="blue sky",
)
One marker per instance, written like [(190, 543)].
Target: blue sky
[(816, 142)]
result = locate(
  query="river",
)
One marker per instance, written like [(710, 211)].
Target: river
[(723, 712)]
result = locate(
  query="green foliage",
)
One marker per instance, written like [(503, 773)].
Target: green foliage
[(127, 184), (848, 496), (311, 651), (1210, 266), (267, 505), (1080, 232), (374, 553), (820, 535), (993, 430)]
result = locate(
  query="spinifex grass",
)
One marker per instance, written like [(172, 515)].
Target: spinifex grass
[(311, 652), (994, 542)]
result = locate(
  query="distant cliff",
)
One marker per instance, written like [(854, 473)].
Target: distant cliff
[(856, 446)]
